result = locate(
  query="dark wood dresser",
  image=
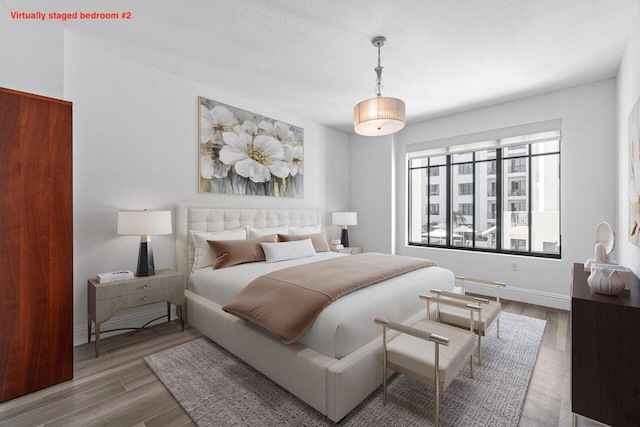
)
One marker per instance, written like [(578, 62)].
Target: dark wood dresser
[(36, 243), (605, 353)]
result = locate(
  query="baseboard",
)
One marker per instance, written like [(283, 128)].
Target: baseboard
[(129, 319), (545, 299)]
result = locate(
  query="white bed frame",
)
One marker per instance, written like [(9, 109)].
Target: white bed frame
[(332, 386)]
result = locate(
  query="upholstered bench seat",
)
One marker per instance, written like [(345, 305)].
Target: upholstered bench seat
[(460, 317), (418, 355)]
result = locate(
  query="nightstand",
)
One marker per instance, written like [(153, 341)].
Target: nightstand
[(105, 299), (350, 250)]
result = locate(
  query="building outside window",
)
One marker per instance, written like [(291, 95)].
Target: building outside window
[(483, 195), (465, 169), (518, 244), (518, 188), (465, 189), (518, 165), (466, 209)]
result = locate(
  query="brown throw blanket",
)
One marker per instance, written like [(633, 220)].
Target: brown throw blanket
[(287, 301)]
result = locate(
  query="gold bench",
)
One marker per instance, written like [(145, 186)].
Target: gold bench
[(430, 352)]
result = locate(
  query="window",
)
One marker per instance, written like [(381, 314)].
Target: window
[(518, 244), (491, 168), (466, 208), (494, 194), (465, 189), (466, 169), (492, 211), (518, 188), (518, 165), (492, 189)]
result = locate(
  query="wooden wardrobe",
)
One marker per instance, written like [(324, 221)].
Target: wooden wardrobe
[(36, 243)]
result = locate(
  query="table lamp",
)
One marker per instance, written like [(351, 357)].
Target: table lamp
[(144, 224), (344, 219)]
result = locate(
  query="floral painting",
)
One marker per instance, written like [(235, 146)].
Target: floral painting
[(634, 174), (246, 153)]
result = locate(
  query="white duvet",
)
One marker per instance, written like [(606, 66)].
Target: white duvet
[(345, 325)]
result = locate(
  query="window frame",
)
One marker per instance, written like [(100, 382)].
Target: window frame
[(498, 176)]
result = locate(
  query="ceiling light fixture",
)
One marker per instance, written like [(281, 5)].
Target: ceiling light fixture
[(380, 115)]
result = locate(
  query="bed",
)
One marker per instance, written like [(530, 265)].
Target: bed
[(336, 363)]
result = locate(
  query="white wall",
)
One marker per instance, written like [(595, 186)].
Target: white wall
[(31, 55), (628, 91), (372, 182), (588, 182)]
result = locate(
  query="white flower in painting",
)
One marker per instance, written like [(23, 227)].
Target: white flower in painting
[(280, 131), (211, 167), (293, 157), (247, 127), (254, 158), (217, 120)]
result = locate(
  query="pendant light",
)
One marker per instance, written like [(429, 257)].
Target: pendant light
[(380, 115)]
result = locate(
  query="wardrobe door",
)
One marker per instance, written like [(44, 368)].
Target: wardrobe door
[(36, 243)]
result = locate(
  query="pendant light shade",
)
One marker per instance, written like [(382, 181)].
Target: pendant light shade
[(380, 115)]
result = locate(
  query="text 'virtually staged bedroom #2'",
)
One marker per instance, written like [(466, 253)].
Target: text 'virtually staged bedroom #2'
[(174, 166)]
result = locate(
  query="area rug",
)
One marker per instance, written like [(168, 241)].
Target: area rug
[(218, 389)]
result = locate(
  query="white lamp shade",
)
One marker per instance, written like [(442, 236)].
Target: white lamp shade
[(379, 116), (144, 223), (344, 218)]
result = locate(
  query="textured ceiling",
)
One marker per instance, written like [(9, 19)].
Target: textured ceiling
[(315, 58)]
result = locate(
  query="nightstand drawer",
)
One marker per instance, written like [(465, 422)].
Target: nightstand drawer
[(108, 307), (162, 280)]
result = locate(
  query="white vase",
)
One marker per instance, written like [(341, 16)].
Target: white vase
[(605, 281)]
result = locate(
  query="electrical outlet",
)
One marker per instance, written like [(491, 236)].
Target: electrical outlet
[(514, 266)]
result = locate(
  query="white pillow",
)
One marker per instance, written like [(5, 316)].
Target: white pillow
[(204, 256), (253, 232), (314, 229), (283, 251)]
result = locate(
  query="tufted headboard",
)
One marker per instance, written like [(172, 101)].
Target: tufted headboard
[(206, 217)]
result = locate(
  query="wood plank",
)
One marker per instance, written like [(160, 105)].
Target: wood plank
[(41, 414), (119, 409)]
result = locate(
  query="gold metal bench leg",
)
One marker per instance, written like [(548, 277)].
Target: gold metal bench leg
[(384, 366), (480, 332), (437, 378), (384, 384)]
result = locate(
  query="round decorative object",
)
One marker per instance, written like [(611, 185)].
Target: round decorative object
[(605, 242), (605, 281)]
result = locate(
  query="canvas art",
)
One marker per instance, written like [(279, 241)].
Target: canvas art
[(245, 153), (634, 174)]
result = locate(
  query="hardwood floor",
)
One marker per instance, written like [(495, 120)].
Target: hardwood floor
[(119, 389)]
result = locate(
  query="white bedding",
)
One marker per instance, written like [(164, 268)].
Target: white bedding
[(346, 324)]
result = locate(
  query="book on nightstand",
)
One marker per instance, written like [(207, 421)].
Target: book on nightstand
[(115, 275)]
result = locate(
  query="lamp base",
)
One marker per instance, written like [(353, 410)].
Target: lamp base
[(146, 266), (344, 238)]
